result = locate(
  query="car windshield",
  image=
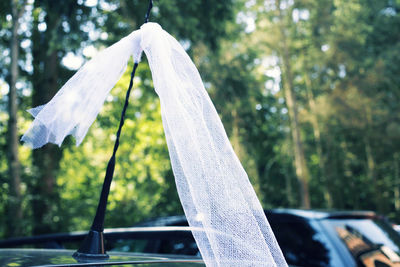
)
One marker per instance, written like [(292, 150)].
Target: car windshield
[(369, 241)]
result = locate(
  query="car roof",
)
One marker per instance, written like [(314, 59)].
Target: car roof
[(60, 258), (180, 220), (156, 232), (177, 220), (323, 214)]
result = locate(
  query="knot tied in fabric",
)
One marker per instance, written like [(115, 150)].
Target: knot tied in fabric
[(226, 217)]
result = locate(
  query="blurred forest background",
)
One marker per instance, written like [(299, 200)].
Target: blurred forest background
[(308, 92)]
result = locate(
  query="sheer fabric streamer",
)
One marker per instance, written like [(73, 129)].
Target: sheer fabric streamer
[(226, 217), (76, 105)]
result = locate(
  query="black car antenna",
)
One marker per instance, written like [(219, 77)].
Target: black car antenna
[(93, 245)]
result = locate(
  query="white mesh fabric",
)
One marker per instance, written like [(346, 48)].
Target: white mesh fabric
[(227, 220), (218, 199), (76, 105)]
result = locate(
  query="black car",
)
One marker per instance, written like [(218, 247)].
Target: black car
[(307, 238), (322, 238)]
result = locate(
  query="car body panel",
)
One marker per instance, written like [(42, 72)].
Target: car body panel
[(55, 257)]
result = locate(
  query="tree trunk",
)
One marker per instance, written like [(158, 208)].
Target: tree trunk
[(342, 196), (46, 159), (14, 210), (242, 154), (318, 141), (371, 163), (396, 159), (302, 172)]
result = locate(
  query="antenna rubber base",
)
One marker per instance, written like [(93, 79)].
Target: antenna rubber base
[(92, 248)]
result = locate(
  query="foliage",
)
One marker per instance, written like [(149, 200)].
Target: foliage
[(344, 58)]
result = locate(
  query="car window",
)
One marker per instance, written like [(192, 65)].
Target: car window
[(301, 243), (179, 246), (370, 242), (128, 245)]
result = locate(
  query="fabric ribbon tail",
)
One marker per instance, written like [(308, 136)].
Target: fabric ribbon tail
[(76, 105), (227, 220)]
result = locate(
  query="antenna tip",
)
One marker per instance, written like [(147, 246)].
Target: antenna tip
[(146, 19)]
